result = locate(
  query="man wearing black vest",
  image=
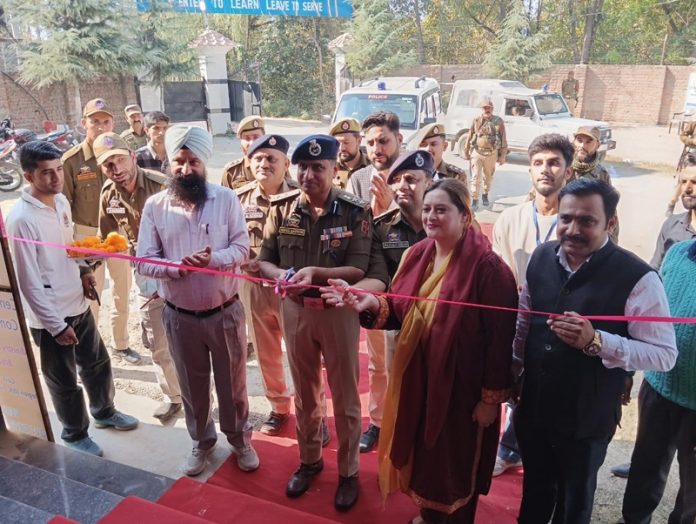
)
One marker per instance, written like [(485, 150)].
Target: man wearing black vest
[(573, 368)]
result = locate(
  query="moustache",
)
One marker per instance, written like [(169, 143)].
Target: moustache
[(574, 238)]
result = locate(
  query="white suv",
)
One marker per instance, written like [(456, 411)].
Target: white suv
[(416, 100)]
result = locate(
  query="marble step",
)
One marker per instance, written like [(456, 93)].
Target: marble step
[(14, 512)]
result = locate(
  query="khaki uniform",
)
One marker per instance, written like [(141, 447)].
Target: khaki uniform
[(134, 141), (82, 187), (445, 170), (341, 236), (261, 303), (344, 172), (598, 172), (120, 211), (570, 89), (237, 173), (485, 144)]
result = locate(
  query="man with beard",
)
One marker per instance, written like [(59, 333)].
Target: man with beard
[(485, 145), (431, 138), (519, 230), (383, 141), (237, 173), (83, 183), (574, 369), (201, 225), (327, 235), (350, 155), (120, 206), (153, 155), (135, 136)]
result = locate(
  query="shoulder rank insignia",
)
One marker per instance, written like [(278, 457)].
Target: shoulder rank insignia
[(245, 188), (386, 216), (280, 197), (352, 199)]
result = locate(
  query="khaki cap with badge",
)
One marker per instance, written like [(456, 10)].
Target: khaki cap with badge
[(426, 132), (590, 131), (251, 123), (132, 109), (109, 144), (96, 105), (345, 125)]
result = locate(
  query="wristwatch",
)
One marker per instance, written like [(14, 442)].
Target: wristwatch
[(593, 348)]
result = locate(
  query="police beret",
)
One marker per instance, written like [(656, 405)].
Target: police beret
[(425, 132), (316, 147), (415, 160), (96, 105), (345, 125), (268, 142), (250, 123)]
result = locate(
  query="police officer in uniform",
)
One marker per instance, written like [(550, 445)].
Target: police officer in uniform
[(326, 235), (269, 163), (431, 138), (238, 173), (135, 136), (121, 202), (351, 156), (83, 183), (485, 144)]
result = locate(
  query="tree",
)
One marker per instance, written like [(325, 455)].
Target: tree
[(77, 40), (518, 54)]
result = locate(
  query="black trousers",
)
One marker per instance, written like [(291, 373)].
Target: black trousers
[(60, 365), (560, 474), (663, 429)]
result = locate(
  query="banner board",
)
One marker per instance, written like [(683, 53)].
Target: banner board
[(315, 8)]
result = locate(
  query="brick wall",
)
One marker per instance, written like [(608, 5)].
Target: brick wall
[(643, 94), (24, 112)]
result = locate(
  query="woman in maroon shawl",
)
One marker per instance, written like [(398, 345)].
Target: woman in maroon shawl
[(451, 368)]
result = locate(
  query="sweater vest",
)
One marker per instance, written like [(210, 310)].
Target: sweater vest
[(565, 391)]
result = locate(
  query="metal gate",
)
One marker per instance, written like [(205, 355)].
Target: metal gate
[(185, 101), (245, 99)]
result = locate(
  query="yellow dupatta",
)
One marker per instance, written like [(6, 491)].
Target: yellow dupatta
[(414, 329)]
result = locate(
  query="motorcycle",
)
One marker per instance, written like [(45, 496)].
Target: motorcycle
[(10, 172), (63, 139)]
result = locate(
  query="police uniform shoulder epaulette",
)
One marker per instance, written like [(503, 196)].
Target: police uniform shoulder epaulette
[(245, 188), (155, 176), (282, 197), (454, 169), (232, 164), (352, 199), (71, 152), (108, 186), (386, 216)]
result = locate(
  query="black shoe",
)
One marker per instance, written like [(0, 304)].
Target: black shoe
[(251, 354), (369, 439), (621, 470), (484, 200), (325, 433), (274, 423), (300, 480), (474, 204), (127, 355), (346, 493), (167, 410)]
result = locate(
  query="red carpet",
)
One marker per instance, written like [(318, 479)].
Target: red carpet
[(134, 509)]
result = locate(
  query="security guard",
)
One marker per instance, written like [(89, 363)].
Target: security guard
[(351, 156), (268, 161), (431, 138), (485, 144), (83, 183), (121, 201), (237, 173), (326, 235), (135, 136)]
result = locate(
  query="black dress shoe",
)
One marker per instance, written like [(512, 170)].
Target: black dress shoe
[(346, 493), (621, 470), (300, 480), (369, 439)]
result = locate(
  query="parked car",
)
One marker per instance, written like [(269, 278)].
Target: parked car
[(416, 100), (527, 113)]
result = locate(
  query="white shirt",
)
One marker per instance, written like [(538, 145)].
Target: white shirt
[(652, 345), (515, 237), (48, 279), (169, 232)]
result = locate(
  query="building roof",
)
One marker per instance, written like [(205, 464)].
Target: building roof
[(210, 38)]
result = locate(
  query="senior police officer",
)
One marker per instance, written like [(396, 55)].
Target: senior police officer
[(135, 136), (326, 235), (269, 163), (431, 138), (238, 172), (83, 183), (351, 156), (485, 144), (120, 205)]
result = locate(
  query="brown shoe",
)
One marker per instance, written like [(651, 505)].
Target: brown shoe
[(167, 410), (274, 423), (301, 479), (346, 493)]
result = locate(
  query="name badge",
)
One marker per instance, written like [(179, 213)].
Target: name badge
[(395, 245), (86, 175), (295, 231), (253, 213), (116, 210)]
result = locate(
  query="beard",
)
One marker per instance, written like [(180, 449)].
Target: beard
[(189, 189), (346, 157)]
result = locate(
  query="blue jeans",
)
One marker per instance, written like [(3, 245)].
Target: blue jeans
[(508, 449)]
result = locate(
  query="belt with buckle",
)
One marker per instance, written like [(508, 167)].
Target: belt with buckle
[(206, 312)]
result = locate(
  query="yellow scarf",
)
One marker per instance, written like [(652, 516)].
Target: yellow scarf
[(415, 329)]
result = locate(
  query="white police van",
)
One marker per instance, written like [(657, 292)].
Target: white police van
[(416, 100)]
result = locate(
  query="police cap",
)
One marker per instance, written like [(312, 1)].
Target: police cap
[(345, 125), (412, 161), (250, 123)]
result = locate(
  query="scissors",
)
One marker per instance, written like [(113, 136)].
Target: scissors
[(279, 288)]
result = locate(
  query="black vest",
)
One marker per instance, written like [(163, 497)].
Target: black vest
[(565, 391)]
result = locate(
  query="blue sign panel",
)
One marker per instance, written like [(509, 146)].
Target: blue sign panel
[(318, 8)]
